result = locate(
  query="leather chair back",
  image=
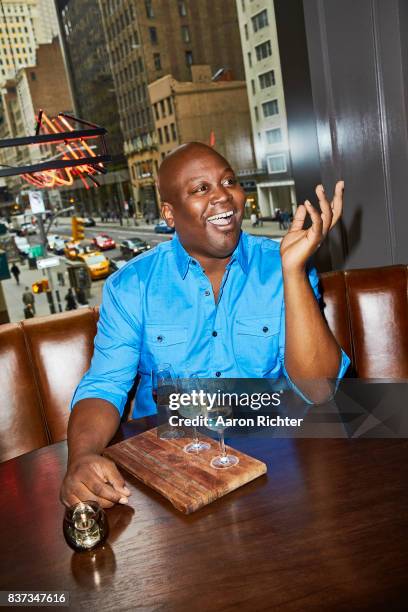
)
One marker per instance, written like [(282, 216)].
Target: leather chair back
[(61, 347), (22, 424)]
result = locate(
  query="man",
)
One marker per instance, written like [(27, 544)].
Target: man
[(28, 299), (213, 301), (15, 270)]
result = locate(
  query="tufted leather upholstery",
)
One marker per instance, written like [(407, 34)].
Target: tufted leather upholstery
[(42, 360)]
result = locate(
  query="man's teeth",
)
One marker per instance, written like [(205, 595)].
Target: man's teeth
[(221, 219)]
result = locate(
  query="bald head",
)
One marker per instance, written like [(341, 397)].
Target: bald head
[(171, 166)]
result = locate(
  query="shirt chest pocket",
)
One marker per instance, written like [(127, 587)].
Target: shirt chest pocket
[(257, 344), (164, 344)]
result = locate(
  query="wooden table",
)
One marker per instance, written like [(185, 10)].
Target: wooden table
[(326, 529)]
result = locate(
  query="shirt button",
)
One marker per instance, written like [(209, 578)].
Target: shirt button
[(206, 292), (218, 374), (214, 334), (159, 338), (193, 263), (265, 329)]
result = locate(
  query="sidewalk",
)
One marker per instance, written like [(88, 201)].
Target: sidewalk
[(13, 293), (270, 229)]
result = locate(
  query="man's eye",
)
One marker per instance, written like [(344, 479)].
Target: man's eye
[(231, 180), (200, 188)]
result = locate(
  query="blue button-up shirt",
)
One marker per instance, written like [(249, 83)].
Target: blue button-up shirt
[(160, 308)]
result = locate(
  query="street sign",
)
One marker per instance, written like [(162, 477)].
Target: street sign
[(36, 202), (48, 262), (36, 251)]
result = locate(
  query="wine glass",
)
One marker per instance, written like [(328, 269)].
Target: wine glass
[(187, 385), (163, 385), (215, 421)]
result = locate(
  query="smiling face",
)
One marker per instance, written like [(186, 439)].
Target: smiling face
[(203, 200)]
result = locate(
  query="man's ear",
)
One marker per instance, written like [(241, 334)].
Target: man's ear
[(167, 213)]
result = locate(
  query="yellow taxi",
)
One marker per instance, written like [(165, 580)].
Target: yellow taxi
[(97, 264), (75, 248)]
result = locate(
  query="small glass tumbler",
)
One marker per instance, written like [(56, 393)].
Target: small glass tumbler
[(85, 526)]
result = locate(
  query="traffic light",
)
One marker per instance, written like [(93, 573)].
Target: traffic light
[(41, 286), (78, 232)]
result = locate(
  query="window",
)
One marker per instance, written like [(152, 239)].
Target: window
[(182, 8), (162, 109), (169, 105), (249, 59), (270, 108), (157, 62), (160, 136), (267, 79), (276, 163), (263, 50), (273, 136), (189, 58), (173, 131), (246, 31), (167, 133), (156, 111), (185, 34), (256, 113), (260, 20), (153, 36), (33, 76), (149, 9), (253, 86)]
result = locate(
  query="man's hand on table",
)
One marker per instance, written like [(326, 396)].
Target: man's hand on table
[(92, 477)]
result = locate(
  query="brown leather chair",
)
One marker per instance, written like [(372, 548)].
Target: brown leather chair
[(42, 360)]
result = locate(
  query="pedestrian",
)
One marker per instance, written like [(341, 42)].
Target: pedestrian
[(28, 312), (285, 219), (15, 270), (28, 299), (70, 300), (279, 218), (253, 219), (81, 297)]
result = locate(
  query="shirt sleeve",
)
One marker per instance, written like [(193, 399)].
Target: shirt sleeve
[(344, 360), (117, 345)]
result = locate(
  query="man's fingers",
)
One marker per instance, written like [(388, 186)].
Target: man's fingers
[(85, 494), (315, 231), (105, 491), (298, 219), (337, 203), (326, 209), (108, 472)]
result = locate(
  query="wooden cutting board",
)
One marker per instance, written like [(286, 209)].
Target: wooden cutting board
[(187, 481)]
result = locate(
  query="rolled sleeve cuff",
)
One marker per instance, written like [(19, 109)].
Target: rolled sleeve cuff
[(96, 391), (345, 362)]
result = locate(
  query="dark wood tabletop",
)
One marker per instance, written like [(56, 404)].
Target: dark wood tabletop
[(326, 529)]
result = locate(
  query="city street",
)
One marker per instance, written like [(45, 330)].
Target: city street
[(13, 292)]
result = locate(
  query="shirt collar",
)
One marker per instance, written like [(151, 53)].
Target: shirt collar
[(183, 259)]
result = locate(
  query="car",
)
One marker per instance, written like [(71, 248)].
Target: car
[(75, 248), (104, 242), (116, 263), (22, 245), (89, 222), (133, 246), (163, 228), (59, 246), (97, 264), (51, 240), (27, 229)]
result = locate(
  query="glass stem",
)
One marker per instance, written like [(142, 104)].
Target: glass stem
[(195, 436), (222, 443)]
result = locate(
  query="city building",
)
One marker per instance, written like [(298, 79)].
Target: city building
[(24, 25), (148, 39), (214, 112), (93, 90), (23, 96), (275, 186)]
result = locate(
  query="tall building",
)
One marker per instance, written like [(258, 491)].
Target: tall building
[(24, 25), (214, 112), (275, 186), (93, 90), (148, 39)]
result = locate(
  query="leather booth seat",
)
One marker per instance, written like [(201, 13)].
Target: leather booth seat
[(42, 360)]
